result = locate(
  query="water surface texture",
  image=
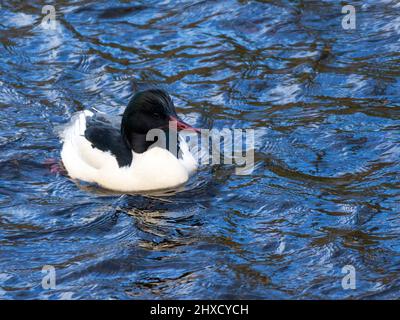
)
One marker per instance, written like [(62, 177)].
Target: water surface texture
[(325, 190)]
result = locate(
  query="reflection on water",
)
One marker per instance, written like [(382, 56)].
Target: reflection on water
[(325, 191)]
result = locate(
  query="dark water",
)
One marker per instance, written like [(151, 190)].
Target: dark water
[(325, 192)]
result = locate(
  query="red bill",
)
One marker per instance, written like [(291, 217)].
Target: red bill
[(181, 125)]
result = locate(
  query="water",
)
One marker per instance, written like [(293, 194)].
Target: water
[(325, 191)]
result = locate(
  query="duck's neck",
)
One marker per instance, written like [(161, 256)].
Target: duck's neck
[(138, 142)]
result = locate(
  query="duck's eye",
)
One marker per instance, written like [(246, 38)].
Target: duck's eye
[(156, 115)]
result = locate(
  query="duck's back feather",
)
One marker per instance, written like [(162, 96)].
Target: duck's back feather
[(107, 138)]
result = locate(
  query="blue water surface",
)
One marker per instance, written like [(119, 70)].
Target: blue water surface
[(325, 192)]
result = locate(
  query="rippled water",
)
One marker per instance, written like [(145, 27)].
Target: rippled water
[(325, 192)]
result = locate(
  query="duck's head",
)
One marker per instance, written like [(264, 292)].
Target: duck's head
[(147, 110)]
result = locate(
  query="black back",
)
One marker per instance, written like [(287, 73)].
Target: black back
[(106, 137)]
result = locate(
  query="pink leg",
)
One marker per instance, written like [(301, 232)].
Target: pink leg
[(55, 166)]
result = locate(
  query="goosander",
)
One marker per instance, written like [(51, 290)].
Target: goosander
[(96, 150)]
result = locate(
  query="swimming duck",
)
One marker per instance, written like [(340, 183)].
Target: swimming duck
[(120, 158)]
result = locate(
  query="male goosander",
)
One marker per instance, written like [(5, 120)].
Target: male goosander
[(121, 159)]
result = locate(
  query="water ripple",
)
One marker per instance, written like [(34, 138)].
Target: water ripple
[(324, 104)]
